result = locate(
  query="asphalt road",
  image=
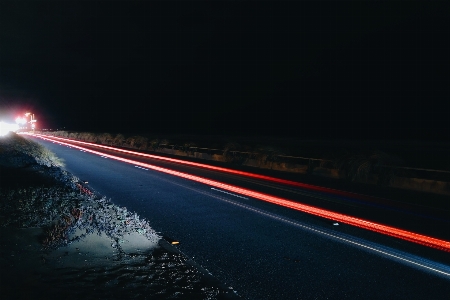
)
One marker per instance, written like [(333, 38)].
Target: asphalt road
[(265, 251)]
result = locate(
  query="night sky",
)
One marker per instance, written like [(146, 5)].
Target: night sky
[(309, 70)]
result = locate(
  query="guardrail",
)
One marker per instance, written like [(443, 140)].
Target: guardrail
[(312, 163), (417, 169), (323, 167)]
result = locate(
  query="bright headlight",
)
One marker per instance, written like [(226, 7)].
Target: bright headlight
[(7, 127)]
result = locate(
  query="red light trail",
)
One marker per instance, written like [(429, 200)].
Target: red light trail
[(372, 226), (225, 170)]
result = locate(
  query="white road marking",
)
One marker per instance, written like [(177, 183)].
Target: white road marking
[(139, 167), (411, 260), (230, 194), (400, 256)]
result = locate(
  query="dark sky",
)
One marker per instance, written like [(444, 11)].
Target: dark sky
[(356, 70)]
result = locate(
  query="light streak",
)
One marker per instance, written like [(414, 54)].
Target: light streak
[(337, 217), (225, 170), (390, 253), (412, 260)]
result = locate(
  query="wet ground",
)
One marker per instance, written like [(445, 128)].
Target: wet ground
[(72, 272)]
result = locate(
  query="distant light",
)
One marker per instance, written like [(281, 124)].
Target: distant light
[(5, 128), (20, 120)]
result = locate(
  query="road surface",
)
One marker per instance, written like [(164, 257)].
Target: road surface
[(265, 251)]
